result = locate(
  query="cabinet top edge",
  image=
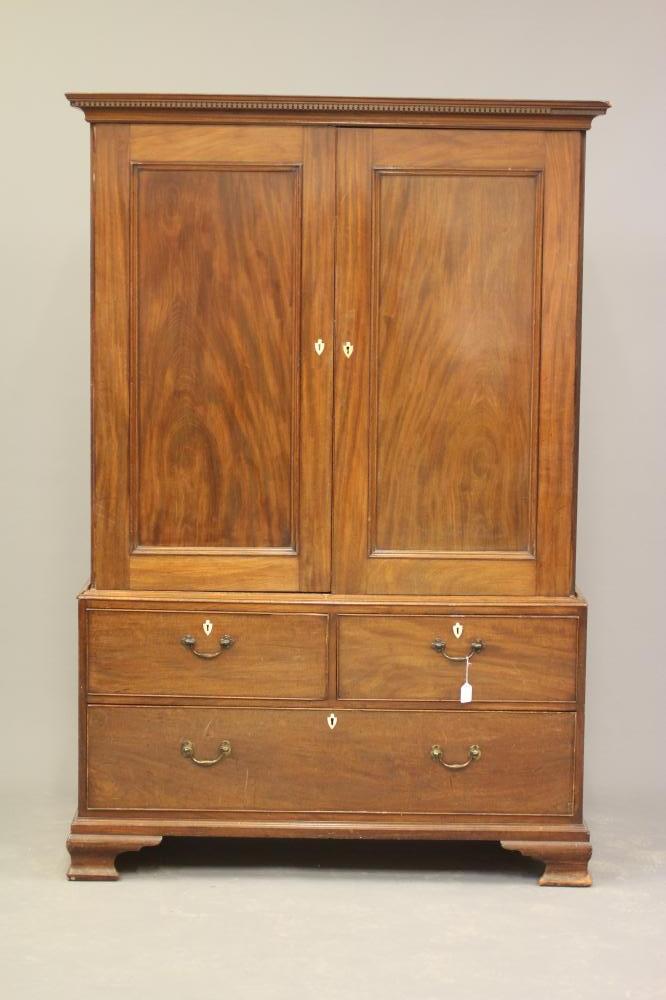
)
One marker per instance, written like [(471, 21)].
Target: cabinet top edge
[(128, 108)]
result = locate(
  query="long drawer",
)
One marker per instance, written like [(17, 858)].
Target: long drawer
[(315, 760), (199, 654), (522, 659)]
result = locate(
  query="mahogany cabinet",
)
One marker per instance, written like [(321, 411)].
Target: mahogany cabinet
[(335, 350)]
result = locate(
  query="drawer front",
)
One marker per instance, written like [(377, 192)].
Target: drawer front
[(270, 656), (291, 760), (392, 658)]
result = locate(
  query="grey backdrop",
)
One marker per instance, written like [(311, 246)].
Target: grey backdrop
[(471, 48)]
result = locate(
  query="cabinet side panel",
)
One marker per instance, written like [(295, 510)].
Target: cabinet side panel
[(110, 345), (82, 674), (558, 410), (580, 716)]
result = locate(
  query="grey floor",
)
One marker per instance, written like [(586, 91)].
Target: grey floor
[(234, 920)]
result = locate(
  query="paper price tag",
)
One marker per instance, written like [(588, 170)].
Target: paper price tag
[(466, 689)]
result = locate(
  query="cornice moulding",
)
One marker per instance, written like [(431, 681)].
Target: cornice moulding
[(338, 110)]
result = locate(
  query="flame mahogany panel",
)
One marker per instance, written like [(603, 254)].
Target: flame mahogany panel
[(218, 285), (454, 361)]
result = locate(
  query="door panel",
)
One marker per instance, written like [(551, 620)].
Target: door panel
[(456, 276), (226, 487), (217, 332)]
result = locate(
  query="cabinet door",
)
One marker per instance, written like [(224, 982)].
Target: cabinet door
[(212, 406), (456, 295)]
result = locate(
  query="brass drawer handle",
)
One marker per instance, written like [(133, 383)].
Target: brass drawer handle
[(440, 647), (437, 753), (187, 750), (226, 642)]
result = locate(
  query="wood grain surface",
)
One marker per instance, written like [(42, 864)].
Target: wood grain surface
[(218, 279), (272, 656), (227, 415), (523, 659), (446, 436), (110, 397), (372, 761), (451, 443)]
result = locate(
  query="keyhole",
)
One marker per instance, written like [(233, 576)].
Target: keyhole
[(207, 626), (332, 720), (457, 630)]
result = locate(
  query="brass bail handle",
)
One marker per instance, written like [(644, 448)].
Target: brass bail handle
[(187, 750), (474, 753), (226, 642), (440, 647)]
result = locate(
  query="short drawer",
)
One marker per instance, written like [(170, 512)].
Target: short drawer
[(291, 760), (198, 654), (523, 659)]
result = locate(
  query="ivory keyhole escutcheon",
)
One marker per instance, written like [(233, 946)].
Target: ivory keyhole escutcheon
[(319, 346), (207, 626), (457, 630), (348, 349), (332, 720)]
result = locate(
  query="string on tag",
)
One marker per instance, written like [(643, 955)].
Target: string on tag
[(466, 689)]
